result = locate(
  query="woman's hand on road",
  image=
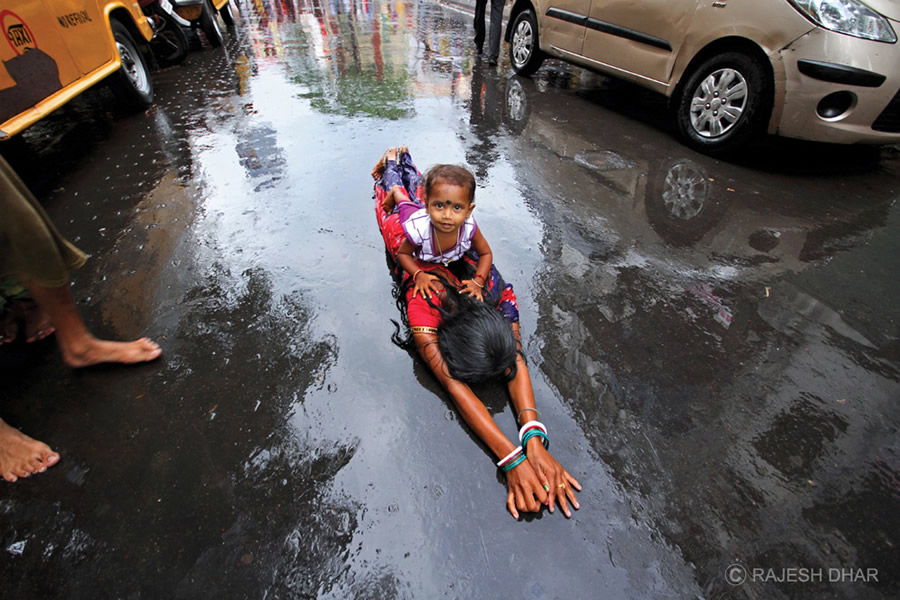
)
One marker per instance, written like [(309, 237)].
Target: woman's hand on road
[(525, 491), (562, 485)]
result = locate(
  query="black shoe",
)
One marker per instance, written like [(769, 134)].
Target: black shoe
[(492, 62)]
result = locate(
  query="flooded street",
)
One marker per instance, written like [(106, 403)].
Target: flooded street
[(713, 345)]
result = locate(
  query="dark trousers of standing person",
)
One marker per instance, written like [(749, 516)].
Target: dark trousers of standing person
[(496, 22)]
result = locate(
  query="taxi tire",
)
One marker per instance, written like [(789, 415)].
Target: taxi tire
[(131, 83), (210, 26)]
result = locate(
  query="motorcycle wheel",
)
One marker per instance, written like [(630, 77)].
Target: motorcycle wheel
[(171, 44), (229, 14), (131, 83), (209, 23)]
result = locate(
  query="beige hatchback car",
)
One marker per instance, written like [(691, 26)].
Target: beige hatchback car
[(823, 70)]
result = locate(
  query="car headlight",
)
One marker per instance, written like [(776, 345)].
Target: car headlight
[(847, 16)]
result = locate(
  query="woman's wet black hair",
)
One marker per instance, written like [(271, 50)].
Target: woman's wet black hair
[(475, 340)]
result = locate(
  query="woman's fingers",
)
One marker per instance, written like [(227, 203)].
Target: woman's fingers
[(511, 504), (572, 481), (561, 497), (572, 498), (520, 502)]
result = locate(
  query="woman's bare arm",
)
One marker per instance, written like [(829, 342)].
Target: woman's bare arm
[(523, 483), (557, 480)]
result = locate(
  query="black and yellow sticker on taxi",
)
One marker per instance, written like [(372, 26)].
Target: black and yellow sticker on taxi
[(17, 32)]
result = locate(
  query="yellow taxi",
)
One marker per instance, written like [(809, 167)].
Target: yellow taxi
[(52, 50)]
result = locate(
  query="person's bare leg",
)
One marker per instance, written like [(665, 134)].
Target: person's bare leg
[(37, 321), (9, 329), (22, 456), (80, 348)]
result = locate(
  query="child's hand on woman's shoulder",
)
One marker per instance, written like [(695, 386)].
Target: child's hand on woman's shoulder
[(427, 284)]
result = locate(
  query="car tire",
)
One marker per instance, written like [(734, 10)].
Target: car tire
[(525, 54), (715, 126), (229, 14), (131, 83), (209, 24)]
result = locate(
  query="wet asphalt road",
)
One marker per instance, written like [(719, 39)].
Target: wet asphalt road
[(713, 345)]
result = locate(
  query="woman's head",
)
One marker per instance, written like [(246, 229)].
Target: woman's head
[(476, 342)]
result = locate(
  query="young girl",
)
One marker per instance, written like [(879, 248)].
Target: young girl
[(439, 231)]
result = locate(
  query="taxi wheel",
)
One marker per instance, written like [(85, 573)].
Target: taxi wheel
[(131, 83), (524, 52), (724, 104), (210, 25)]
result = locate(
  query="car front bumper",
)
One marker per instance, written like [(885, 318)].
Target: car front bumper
[(822, 63)]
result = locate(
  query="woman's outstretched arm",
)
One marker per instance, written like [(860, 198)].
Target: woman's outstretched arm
[(525, 491), (557, 480)]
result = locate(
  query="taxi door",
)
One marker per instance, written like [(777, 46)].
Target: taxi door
[(639, 38), (562, 24), (34, 59), (82, 25)]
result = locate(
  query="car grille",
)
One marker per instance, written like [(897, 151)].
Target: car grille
[(889, 119)]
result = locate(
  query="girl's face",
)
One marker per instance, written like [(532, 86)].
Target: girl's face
[(448, 206)]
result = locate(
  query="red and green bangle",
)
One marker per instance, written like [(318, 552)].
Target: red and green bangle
[(532, 429)]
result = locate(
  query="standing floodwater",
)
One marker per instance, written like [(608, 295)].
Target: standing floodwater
[(713, 344)]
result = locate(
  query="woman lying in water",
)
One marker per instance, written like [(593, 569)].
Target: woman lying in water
[(464, 321)]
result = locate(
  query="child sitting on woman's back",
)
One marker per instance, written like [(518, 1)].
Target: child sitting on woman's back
[(440, 230)]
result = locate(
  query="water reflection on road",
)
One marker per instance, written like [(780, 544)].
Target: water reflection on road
[(713, 345)]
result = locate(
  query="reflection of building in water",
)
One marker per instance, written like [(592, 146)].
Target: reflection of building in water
[(361, 58)]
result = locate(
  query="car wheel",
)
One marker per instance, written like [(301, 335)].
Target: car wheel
[(229, 14), (724, 103), (524, 52), (209, 24), (131, 83)]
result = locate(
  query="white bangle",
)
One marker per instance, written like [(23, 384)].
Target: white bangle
[(529, 425), (510, 456)]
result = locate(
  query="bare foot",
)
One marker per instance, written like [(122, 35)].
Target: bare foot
[(9, 329), (37, 322), (22, 456), (395, 195), (378, 169), (94, 351)]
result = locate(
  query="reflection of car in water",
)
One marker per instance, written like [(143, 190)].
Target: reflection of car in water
[(826, 71), (53, 51), (685, 206), (677, 321)]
